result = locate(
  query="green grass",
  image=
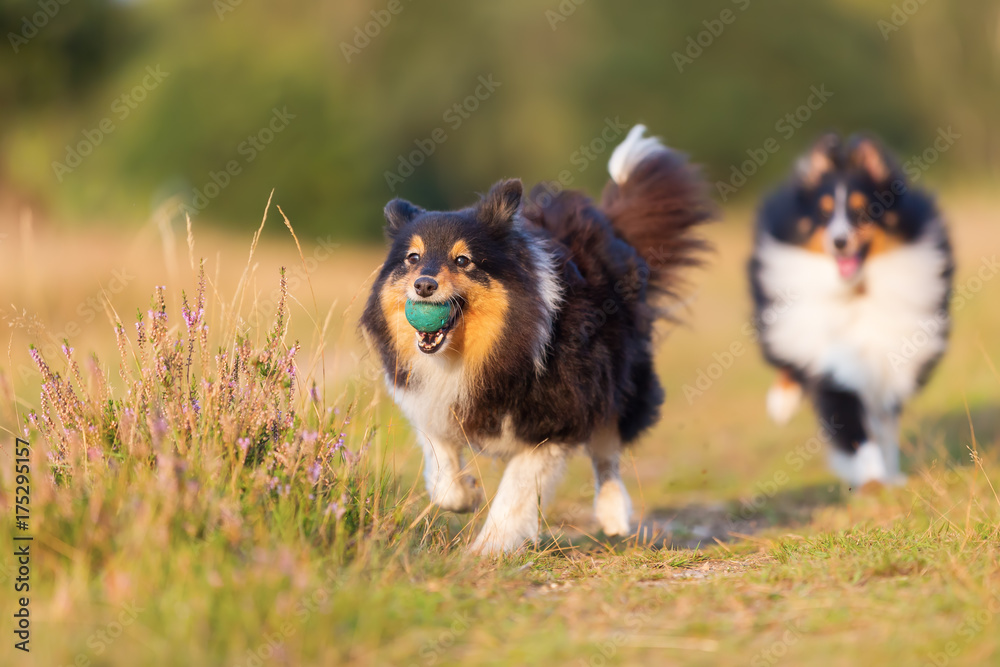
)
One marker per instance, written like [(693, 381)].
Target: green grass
[(243, 533)]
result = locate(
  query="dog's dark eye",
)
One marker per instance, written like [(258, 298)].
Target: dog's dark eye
[(462, 261), (413, 257)]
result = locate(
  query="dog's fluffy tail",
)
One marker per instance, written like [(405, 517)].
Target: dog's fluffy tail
[(655, 200)]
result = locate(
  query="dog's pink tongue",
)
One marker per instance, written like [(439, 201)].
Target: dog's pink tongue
[(848, 266)]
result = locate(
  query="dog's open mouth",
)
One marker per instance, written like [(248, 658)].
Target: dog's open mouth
[(850, 265), (432, 341)]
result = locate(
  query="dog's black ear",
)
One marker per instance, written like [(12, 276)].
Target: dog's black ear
[(501, 204), (820, 159), (398, 213), (867, 153)]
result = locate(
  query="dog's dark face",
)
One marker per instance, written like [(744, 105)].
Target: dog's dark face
[(461, 258), (849, 199)]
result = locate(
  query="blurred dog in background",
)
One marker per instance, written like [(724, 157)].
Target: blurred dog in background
[(851, 277)]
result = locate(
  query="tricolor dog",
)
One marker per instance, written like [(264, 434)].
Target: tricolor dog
[(521, 328)]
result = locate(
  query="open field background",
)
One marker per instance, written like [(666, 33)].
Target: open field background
[(750, 552), (227, 483)]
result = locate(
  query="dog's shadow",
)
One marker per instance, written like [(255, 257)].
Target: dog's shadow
[(701, 525), (943, 438), (948, 437)]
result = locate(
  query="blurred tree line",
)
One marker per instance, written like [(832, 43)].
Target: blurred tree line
[(113, 107)]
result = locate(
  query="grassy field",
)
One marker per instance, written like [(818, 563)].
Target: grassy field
[(232, 487)]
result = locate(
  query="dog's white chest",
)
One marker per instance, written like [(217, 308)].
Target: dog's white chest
[(431, 403), (873, 338), (432, 407)]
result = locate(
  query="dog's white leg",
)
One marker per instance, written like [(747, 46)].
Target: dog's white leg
[(611, 502), (527, 485), (885, 426), (783, 398), (865, 465), (449, 488)]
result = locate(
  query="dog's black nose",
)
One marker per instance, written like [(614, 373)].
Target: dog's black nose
[(425, 286), (840, 242)]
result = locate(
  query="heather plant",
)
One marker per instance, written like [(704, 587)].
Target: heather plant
[(206, 492), (201, 431)]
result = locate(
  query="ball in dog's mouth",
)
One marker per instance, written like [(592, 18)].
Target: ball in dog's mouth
[(433, 322), (430, 342)]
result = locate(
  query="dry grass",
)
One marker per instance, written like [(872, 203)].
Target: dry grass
[(235, 472)]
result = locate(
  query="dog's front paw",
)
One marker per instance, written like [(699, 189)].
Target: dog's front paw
[(897, 479), (492, 542), (612, 507), (462, 495)]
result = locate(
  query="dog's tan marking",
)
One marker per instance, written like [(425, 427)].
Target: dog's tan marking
[(880, 241), (817, 241), (857, 201), (826, 204), (805, 224), (785, 380), (393, 303), (416, 245), (460, 248), (480, 324)]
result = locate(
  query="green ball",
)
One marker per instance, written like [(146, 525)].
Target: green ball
[(427, 317)]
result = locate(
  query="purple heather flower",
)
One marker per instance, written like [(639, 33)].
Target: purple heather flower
[(337, 509)]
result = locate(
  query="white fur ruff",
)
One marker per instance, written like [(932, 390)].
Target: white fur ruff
[(861, 334), (828, 328)]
